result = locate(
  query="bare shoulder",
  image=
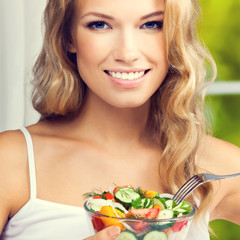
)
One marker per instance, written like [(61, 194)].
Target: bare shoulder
[(12, 146), (218, 156), (13, 151), (13, 173)]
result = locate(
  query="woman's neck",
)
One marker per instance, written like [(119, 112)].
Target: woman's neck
[(101, 121)]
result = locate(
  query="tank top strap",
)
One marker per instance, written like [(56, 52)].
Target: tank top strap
[(31, 162)]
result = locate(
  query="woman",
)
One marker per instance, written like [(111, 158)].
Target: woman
[(119, 85)]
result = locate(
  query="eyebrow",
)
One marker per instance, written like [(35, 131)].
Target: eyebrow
[(101, 15), (152, 14), (97, 14)]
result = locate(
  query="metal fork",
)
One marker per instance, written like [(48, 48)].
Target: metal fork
[(195, 182)]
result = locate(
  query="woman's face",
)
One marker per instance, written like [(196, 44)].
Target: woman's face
[(120, 47)]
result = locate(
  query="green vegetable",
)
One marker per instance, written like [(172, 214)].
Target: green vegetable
[(155, 235), (95, 207), (183, 208), (170, 204), (142, 203), (126, 195), (165, 214), (126, 235)]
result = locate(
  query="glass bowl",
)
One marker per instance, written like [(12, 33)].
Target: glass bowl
[(143, 229)]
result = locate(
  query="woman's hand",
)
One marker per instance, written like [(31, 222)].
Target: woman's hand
[(109, 233)]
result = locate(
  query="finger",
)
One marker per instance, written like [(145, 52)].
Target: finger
[(109, 233)]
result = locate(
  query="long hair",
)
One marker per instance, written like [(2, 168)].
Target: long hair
[(176, 107)]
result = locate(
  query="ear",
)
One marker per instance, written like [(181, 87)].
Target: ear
[(71, 47)]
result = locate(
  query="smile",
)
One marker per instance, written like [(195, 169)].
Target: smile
[(127, 75)]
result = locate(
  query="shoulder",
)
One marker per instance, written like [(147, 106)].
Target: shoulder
[(13, 171), (12, 148), (218, 156)]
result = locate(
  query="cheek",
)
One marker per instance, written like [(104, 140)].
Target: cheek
[(90, 50), (154, 48), (157, 54), (157, 49)]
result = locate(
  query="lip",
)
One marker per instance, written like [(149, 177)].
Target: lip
[(127, 83)]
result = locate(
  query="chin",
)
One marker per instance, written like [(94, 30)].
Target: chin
[(129, 104)]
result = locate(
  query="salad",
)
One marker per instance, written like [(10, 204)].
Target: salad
[(140, 214)]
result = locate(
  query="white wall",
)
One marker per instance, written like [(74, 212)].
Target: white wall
[(20, 43)]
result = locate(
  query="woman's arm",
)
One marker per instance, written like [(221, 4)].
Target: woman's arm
[(229, 208), (220, 157), (13, 175)]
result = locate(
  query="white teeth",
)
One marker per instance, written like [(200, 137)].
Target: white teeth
[(127, 76), (118, 75)]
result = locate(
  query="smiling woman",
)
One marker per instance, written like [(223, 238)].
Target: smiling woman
[(121, 53), (120, 93)]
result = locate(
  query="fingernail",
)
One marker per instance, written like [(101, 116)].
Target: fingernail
[(114, 231)]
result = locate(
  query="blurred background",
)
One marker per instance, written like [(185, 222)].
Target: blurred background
[(219, 28)]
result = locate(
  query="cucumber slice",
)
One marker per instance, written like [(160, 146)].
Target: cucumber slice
[(170, 204), (162, 226), (95, 207), (147, 203), (126, 195), (126, 235), (183, 207), (155, 235), (103, 202), (165, 214)]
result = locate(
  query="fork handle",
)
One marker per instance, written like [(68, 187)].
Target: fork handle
[(211, 177)]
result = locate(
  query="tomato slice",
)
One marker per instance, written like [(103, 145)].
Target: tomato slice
[(98, 224), (144, 213), (109, 196), (139, 225), (178, 226), (97, 197)]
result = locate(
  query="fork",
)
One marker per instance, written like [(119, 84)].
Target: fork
[(195, 182)]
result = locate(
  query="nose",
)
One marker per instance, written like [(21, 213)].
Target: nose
[(126, 48)]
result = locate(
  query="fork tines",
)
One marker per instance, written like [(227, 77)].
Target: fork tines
[(188, 187)]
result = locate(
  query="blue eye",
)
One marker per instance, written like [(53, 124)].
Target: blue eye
[(97, 25), (153, 25)]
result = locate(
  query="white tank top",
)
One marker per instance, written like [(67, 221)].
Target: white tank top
[(44, 220)]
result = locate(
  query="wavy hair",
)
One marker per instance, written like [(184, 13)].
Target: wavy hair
[(177, 106), (58, 88)]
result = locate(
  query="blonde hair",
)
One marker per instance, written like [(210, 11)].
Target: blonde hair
[(177, 106), (58, 88)]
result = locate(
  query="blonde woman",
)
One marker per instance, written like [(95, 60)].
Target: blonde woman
[(120, 88)]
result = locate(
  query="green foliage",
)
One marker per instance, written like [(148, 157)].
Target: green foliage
[(224, 230), (219, 29), (224, 114)]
